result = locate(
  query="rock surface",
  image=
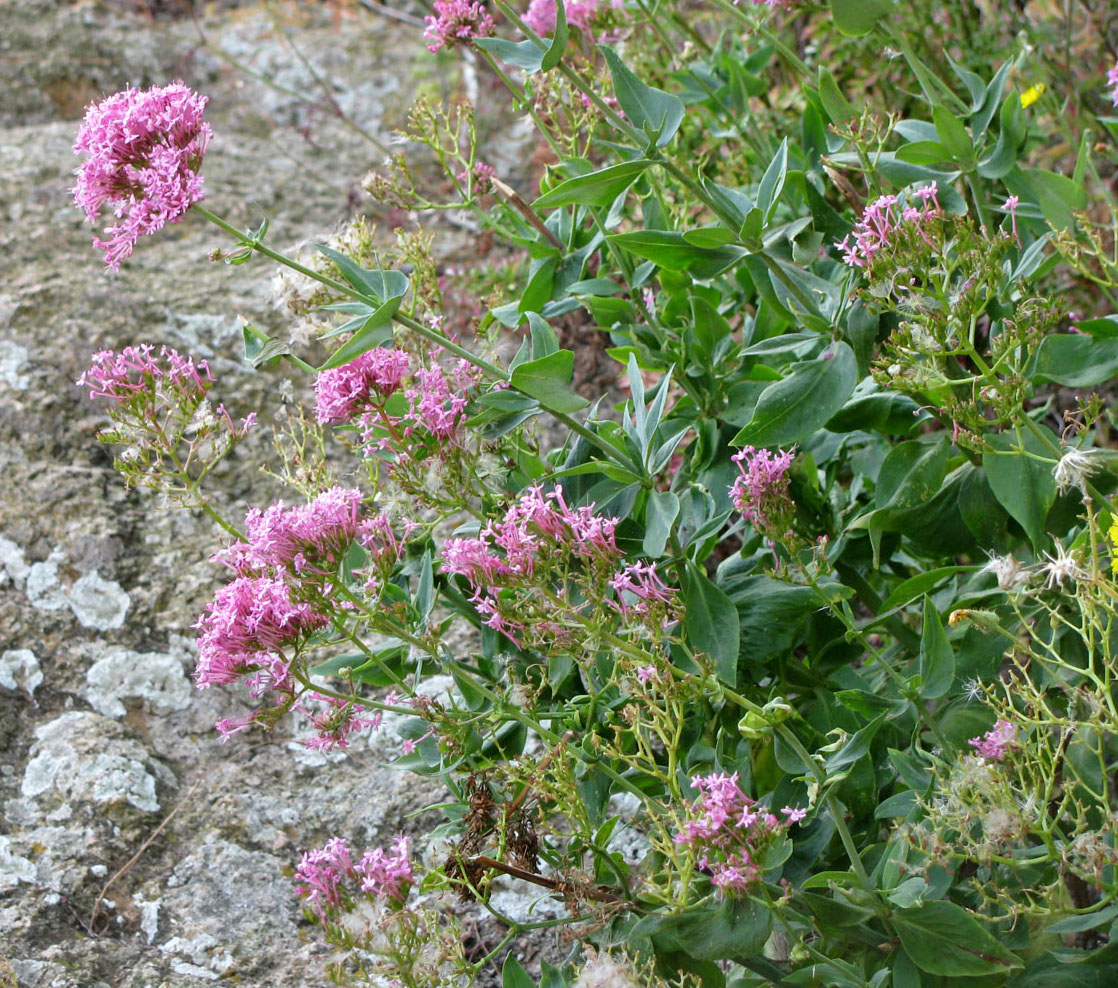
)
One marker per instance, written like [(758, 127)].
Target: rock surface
[(135, 849)]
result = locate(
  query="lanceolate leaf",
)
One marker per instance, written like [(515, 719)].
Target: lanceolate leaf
[(672, 251), (937, 657), (599, 188)]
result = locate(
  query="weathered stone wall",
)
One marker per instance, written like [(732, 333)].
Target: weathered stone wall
[(102, 735)]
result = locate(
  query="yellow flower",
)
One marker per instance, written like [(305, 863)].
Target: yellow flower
[(1032, 94), (1112, 534)]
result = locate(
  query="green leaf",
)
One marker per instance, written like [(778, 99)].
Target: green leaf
[(532, 56), (1076, 361), (1057, 195), (856, 746), (1085, 921), (953, 136), (386, 289), (711, 623), (937, 657), (547, 380), (772, 182), (513, 975), (772, 613), (838, 107), (425, 590), (660, 515), (889, 412), (1000, 161), (599, 188), (657, 113), (558, 43), (734, 928), (525, 55), (791, 409), (857, 17), (942, 938), (1023, 486), (368, 338), (922, 583), (380, 286), (670, 250), (912, 473)]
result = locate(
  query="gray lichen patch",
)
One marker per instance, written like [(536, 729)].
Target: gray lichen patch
[(20, 670), (156, 679), (84, 758)]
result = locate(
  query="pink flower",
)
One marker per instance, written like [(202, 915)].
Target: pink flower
[(875, 230), (334, 726), (243, 630), (309, 538), (342, 392), (435, 404), (387, 874), (1112, 82), (483, 176), (730, 832), (144, 150), (541, 17), (321, 873), (121, 376), (996, 743), (1011, 205), (760, 493), (640, 580), (456, 21), (580, 13)]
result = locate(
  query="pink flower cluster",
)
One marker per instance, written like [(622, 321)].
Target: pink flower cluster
[(456, 21), (540, 535), (760, 493), (122, 376), (341, 393), (335, 723), (309, 539), (580, 13), (996, 743), (640, 591), (731, 832), (328, 880), (244, 630), (144, 150), (1112, 82), (438, 400), (881, 221), (483, 176)]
